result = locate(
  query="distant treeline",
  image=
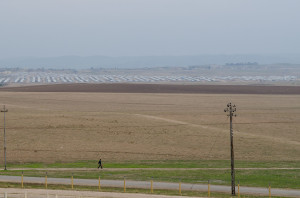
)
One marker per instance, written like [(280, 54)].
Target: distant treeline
[(240, 64)]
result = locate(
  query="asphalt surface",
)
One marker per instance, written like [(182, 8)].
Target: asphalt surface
[(156, 185)]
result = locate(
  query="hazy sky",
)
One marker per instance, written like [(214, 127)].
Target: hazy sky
[(148, 27)]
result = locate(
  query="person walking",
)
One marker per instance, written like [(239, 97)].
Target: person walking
[(100, 164)]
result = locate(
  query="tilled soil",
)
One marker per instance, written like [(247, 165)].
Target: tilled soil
[(69, 126), (158, 88)]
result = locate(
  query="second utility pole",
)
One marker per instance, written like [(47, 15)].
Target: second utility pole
[(231, 109), (4, 111)]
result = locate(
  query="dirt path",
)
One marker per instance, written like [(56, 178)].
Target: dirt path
[(281, 140), (156, 185)]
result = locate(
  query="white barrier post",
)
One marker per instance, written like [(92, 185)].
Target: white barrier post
[(5, 194)]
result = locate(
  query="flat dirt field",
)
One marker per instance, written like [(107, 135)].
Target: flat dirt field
[(51, 126)]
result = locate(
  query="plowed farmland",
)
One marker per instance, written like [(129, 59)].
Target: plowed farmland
[(49, 126)]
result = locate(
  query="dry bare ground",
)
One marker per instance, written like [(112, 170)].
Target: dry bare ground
[(71, 126)]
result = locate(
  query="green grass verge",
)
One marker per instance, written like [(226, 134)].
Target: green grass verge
[(253, 178), (163, 164)]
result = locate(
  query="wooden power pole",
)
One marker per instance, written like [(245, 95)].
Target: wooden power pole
[(231, 109), (4, 111)]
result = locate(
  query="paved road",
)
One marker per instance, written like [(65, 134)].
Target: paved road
[(156, 185)]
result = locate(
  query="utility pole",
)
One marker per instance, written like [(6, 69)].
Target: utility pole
[(4, 111), (231, 109)]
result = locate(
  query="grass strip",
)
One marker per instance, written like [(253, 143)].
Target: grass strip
[(163, 164), (251, 178), (281, 178)]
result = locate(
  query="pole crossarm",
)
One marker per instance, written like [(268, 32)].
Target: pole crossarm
[(4, 109), (231, 109)]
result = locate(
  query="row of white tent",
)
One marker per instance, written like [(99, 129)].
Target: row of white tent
[(72, 78)]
